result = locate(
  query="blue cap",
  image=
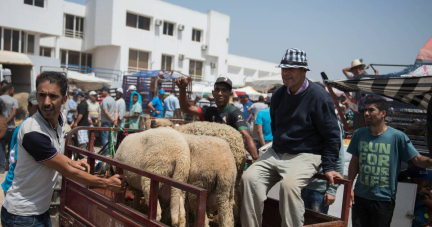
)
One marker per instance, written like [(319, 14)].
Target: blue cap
[(419, 173), (161, 91)]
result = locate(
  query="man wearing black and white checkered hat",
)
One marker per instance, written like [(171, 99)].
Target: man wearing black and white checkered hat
[(306, 136)]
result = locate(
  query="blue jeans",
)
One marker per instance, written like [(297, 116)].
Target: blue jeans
[(314, 200), (106, 134), (11, 220)]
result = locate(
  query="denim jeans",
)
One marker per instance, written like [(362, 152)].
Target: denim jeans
[(11, 220), (105, 135), (314, 200)]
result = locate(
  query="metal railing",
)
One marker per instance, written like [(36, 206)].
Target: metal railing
[(73, 34), (114, 206)]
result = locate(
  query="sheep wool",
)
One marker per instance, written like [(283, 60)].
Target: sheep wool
[(235, 141), (218, 178), (158, 151)]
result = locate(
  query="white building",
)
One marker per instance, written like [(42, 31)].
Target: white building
[(115, 37)]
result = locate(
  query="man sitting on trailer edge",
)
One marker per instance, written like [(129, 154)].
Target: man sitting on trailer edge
[(377, 151), (41, 144), (224, 113)]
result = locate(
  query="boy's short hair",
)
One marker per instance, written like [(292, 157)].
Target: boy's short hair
[(380, 103)]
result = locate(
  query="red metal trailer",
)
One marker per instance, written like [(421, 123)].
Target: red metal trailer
[(85, 206)]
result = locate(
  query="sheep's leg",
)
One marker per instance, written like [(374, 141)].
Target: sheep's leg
[(225, 200), (176, 209), (182, 212), (137, 198)]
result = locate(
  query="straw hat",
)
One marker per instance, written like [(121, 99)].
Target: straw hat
[(356, 63)]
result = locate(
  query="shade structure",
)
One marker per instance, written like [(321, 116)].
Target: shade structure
[(253, 94), (87, 81), (14, 58), (412, 90)]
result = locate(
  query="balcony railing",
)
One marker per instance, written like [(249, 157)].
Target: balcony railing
[(73, 34)]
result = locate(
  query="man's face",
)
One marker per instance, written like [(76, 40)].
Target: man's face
[(293, 77), (92, 98), (373, 116), (130, 91), (49, 100), (357, 70), (161, 96), (135, 99), (221, 94), (104, 93), (118, 94)]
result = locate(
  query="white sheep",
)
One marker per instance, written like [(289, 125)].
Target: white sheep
[(162, 151), (212, 168), (235, 141)]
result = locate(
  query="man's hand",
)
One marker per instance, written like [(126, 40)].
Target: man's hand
[(115, 122), (75, 125), (352, 197), (157, 112), (329, 199), (331, 175), (183, 82), (81, 165), (116, 183)]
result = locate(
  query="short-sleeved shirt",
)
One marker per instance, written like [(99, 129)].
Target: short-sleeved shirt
[(33, 183), (171, 104), (94, 109), (134, 122), (256, 107), (83, 109), (157, 104), (121, 108), (379, 162), (245, 109), (8, 104), (230, 115), (263, 118), (108, 103), (71, 105)]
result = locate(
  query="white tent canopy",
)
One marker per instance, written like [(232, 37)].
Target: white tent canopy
[(262, 84), (253, 94), (86, 82)]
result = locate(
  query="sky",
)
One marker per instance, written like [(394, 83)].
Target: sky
[(332, 32)]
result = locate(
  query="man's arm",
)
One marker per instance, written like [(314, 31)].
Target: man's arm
[(115, 116), (260, 134), (346, 72), (69, 169), (352, 172), (11, 116), (80, 116), (421, 161), (250, 145), (185, 106)]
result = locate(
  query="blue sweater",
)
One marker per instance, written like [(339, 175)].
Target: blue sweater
[(305, 123)]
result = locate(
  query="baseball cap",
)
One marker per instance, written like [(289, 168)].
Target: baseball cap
[(161, 91), (120, 90), (132, 88), (104, 88), (244, 96), (419, 173), (32, 98), (92, 93), (205, 95), (225, 80), (80, 94)]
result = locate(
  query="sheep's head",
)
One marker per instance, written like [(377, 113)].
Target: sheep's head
[(158, 123)]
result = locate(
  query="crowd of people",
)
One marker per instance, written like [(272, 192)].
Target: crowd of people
[(298, 118)]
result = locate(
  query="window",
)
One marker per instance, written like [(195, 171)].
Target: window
[(23, 35), (15, 40), (195, 69), (196, 35), (30, 44), (138, 60), (168, 28), (136, 21), (7, 40), (38, 3), (166, 62), (45, 51), (73, 26), (75, 59)]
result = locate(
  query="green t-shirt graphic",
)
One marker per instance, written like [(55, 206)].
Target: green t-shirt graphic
[(379, 162)]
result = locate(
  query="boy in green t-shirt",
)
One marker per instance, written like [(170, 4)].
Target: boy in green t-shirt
[(134, 113)]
